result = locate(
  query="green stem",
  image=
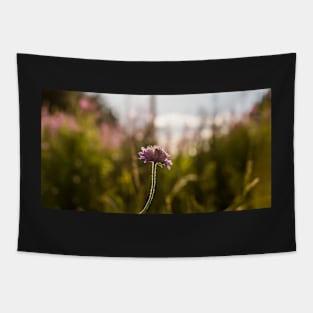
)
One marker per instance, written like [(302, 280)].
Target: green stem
[(152, 189)]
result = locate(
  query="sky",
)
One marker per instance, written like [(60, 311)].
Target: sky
[(176, 112)]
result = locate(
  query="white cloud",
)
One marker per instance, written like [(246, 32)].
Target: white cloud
[(181, 120), (177, 120)]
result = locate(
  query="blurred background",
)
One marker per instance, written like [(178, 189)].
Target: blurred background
[(220, 145)]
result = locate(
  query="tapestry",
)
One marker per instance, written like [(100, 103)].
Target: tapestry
[(156, 158)]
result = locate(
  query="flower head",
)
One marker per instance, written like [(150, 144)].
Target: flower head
[(156, 155)]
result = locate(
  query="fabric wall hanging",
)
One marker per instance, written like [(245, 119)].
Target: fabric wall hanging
[(156, 159)]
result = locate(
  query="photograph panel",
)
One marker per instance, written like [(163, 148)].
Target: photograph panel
[(156, 154)]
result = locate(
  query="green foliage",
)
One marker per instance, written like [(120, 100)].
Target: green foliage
[(75, 172)]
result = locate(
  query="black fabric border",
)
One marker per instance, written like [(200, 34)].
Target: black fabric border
[(100, 234)]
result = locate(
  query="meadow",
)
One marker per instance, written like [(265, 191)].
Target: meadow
[(90, 159)]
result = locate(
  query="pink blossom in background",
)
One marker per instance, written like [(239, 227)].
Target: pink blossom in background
[(53, 122), (86, 105), (111, 136)]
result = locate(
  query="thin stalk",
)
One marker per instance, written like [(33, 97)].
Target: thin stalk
[(152, 188)]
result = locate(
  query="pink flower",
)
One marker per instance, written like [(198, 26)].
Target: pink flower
[(155, 154), (53, 122), (111, 136), (86, 105)]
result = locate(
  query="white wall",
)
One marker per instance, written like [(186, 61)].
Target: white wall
[(155, 30)]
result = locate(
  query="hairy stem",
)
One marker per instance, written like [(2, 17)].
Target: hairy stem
[(152, 189)]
